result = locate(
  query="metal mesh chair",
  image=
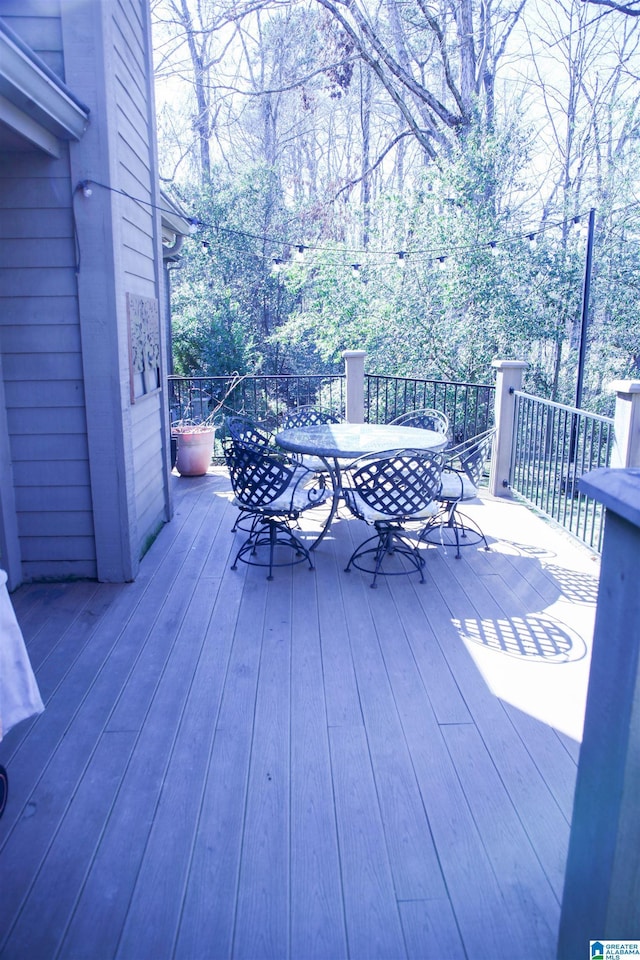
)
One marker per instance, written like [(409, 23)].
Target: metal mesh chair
[(273, 490), (461, 477), (247, 430), (389, 490), (426, 419), (244, 429), (308, 416)]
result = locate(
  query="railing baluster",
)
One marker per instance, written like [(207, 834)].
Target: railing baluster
[(554, 445)]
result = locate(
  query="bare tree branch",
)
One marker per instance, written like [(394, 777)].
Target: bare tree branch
[(631, 9), (353, 183)]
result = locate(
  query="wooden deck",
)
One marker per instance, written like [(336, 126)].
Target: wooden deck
[(305, 768)]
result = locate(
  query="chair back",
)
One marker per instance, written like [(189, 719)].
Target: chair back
[(258, 475), (426, 419), (245, 430), (471, 455), (307, 416), (398, 484)]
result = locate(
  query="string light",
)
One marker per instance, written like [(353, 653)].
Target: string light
[(418, 256), (355, 269)]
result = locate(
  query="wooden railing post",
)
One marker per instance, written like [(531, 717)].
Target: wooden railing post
[(508, 380), (602, 881), (354, 372), (626, 424)]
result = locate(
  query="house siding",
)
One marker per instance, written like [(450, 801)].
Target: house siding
[(89, 467), (136, 153), (40, 342)]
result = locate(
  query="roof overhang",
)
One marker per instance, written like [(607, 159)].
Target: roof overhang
[(175, 226), (35, 106)]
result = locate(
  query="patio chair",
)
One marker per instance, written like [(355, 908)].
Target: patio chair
[(310, 416), (248, 430), (463, 472), (253, 432), (389, 490), (273, 490), (426, 419)]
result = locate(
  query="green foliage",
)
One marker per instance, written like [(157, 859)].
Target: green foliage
[(471, 288), (226, 300)]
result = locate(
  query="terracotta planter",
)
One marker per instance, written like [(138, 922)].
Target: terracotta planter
[(195, 449)]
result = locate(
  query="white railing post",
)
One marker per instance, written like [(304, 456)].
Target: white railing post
[(508, 379), (354, 372), (626, 424), (603, 862)]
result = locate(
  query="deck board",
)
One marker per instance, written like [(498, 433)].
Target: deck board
[(306, 768)]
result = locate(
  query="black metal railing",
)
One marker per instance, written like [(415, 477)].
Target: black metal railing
[(553, 446), (469, 406), (263, 398)]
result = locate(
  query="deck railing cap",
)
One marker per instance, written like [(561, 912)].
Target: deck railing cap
[(509, 364), (625, 386)]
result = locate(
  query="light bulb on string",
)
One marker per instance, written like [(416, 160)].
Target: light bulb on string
[(300, 249), (533, 241), (402, 258), (581, 227), (276, 265), (442, 263), (355, 269)]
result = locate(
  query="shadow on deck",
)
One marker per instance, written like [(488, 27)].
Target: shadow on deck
[(305, 768)]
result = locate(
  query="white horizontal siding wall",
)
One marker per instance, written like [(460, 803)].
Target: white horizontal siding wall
[(119, 156), (84, 477), (40, 343), (142, 255)]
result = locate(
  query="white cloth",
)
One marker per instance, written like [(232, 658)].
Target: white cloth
[(19, 694)]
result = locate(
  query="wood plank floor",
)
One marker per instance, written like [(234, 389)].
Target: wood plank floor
[(305, 768)]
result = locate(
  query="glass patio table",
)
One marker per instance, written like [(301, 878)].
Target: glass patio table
[(333, 442)]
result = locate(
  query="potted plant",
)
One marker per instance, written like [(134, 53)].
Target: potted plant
[(194, 447), (194, 438)]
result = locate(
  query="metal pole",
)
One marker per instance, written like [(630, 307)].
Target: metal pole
[(582, 352), (584, 319)]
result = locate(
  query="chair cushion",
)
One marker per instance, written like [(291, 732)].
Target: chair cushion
[(289, 501), (370, 514), (457, 486)]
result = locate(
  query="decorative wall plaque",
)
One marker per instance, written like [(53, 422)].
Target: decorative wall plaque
[(144, 345)]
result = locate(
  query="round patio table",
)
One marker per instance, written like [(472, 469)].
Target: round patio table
[(333, 442)]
